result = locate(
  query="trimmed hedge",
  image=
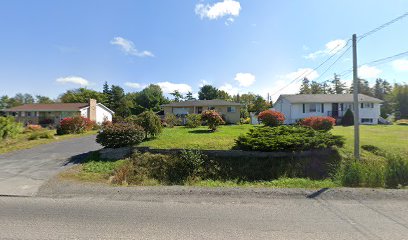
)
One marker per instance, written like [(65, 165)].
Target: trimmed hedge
[(286, 138), (74, 125), (319, 123), (120, 135), (271, 118)]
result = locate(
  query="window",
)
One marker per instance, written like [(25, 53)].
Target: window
[(199, 110), (314, 107), (28, 114), (366, 120), (367, 105), (231, 109), (211, 108)]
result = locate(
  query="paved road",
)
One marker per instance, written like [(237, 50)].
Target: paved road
[(23, 172), (202, 218)]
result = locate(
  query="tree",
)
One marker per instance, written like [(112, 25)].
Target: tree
[(150, 98), (189, 96), (363, 88), (119, 103), (400, 97), (108, 95), (348, 118), (305, 87), (221, 94), (177, 96), (4, 102), (82, 95), (207, 92), (382, 90), (316, 88), (43, 99), (259, 105), (338, 87)]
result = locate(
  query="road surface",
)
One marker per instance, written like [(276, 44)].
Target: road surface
[(23, 172), (203, 217)]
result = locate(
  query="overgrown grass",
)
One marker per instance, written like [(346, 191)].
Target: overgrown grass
[(22, 141), (279, 183), (198, 138)]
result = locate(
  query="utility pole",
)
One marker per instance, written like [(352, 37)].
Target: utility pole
[(355, 101)]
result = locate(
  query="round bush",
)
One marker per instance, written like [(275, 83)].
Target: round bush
[(319, 123), (271, 118), (212, 118), (193, 120), (348, 118), (74, 125), (150, 122), (120, 135), (171, 120), (9, 128), (286, 138)]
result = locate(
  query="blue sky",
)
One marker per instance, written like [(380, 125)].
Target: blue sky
[(48, 47)]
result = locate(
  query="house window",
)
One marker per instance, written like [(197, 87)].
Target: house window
[(314, 107), (199, 110), (211, 108), (28, 114), (367, 105), (366, 120), (231, 109)]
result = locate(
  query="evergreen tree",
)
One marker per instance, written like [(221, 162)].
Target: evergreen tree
[(189, 96), (43, 99), (207, 92), (316, 88), (119, 103), (221, 94), (338, 87), (177, 96), (305, 87)]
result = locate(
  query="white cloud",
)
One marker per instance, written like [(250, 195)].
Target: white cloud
[(311, 74), (134, 85), (220, 9), (400, 64), (204, 82), (73, 79), (128, 47), (229, 89), (366, 71), (169, 87), (245, 79), (331, 48), (229, 21)]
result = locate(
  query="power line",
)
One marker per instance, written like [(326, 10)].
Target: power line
[(383, 26), (306, 73), (331, 65)]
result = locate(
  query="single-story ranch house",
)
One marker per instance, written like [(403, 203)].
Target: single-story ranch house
[(53, 113), (230, 111), (300, 106)]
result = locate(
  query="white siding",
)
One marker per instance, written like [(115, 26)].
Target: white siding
[(84, 112), (284, 106), (102, 114)]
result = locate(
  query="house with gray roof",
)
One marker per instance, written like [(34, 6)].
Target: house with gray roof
[(299, 106), (230, 111)]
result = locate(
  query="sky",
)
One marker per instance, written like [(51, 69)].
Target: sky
[(240, 46)]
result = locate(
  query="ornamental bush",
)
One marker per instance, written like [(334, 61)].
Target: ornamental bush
[(348, 118), (149, 121), (212, 119), (193, 120), (75, 125), (9, 128), (286, 138), (171, 120), (120, 135), (271, 118), (33, 128), (319, 123)]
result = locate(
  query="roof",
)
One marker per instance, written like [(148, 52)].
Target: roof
[(102, 106), (327, 98), (49, 107), (200, 103)]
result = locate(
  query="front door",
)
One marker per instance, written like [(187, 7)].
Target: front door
[(335, 110)]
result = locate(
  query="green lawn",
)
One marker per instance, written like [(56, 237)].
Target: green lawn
[(387, 137), (198, 138), (22, 141)]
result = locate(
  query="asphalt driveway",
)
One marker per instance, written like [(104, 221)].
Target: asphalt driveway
[(23, 172)]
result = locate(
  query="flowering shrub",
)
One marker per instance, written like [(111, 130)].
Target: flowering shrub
[(212, 118), (120, 135), (77, 124), (33, 128), (271, 118), (319, 123)]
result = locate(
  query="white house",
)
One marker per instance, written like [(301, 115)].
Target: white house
[(298, 106), (53, 113)]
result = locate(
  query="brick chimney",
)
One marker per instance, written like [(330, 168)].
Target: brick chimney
[(92, 109)]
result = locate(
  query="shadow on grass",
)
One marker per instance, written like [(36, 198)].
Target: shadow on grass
[(86, 157), (200, 131)]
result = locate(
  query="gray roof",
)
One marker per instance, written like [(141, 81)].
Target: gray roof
[(200, 103), (327, 98)]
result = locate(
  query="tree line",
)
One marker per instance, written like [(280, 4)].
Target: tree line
[(395, 97)]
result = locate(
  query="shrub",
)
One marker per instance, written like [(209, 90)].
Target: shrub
[(193, 120), (9, 128), (286, 138), (120, 135), (319, 123), (212, 119), (396, 171), (245, 120), (74, 125), (271, 118), (188, 165), (402, 122), (171, 120), (46, 121), (361, 173), (348, 118), (37, 135), (150, 122)]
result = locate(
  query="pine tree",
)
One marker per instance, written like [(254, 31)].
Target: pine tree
[(338, 87), (189, 96), (316, 88), (305, 87)]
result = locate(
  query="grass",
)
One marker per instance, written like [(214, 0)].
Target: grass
[(22, 141), (198, 138), (392, 138)]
